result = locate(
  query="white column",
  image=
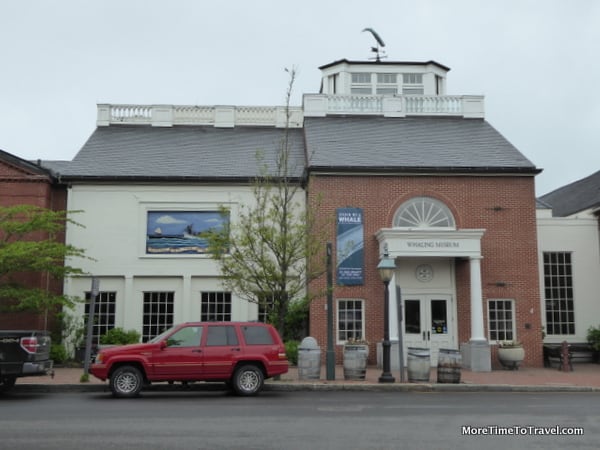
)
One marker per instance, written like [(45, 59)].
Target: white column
[(393, 310), (476, 301), (186, 310), (129, 311)]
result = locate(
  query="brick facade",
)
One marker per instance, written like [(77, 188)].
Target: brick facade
[(23, 183), (504, 206)]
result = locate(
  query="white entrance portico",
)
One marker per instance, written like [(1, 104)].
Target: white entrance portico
[(425, 282)]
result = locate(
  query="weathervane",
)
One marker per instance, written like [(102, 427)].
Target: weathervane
[(380, 43)]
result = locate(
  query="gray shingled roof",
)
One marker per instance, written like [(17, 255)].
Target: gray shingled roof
[(410, 143), (575, 197), (28, 166), (332, 143), (191, 152)]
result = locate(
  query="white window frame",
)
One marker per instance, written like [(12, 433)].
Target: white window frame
[(424, 212), (412, 84), (513, 325), (162, 313), (105, 312), (559, 293), (265, 303), (387, 83), (360, 86), (357, 334), (218, 299)]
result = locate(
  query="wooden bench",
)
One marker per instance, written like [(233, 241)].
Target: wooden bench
[(576, 352)]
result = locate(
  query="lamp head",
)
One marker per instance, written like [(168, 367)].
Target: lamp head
[(386, 266)]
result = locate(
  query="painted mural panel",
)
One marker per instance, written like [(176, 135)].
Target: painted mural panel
[(180, 232), (350, 246)]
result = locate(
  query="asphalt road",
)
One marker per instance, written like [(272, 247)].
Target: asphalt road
[(298, 420)]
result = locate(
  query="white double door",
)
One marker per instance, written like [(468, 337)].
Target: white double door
[(428, 323)]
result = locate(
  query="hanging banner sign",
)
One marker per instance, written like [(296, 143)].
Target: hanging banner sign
[(350, 246)]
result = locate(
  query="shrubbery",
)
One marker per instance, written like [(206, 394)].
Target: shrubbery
[(119, 336), (58, 353), (291, 351)]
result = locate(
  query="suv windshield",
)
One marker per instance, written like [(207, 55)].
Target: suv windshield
[(162, 335)]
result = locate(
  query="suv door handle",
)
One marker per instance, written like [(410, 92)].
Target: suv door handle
[(237, 349), (197, 350)]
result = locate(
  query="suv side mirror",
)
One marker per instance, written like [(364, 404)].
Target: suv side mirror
[(163, 344)]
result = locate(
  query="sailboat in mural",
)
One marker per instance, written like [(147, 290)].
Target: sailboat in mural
[(176, 232)]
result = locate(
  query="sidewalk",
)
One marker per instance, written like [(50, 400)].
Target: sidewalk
[(584, 377)]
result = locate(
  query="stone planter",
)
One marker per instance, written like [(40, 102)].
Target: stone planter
[(355, 361), (511, 357)]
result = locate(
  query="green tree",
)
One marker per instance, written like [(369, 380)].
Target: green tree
[(29, 247), (264, 255)]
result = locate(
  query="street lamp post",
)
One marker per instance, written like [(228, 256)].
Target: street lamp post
[(386, 269)]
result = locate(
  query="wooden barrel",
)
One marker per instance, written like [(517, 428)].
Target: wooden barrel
[(418, 364), (449, 364), (355, 362)]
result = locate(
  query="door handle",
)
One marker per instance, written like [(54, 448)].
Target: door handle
[(197, 350), (237, 349), (424, 336), (428, 335)]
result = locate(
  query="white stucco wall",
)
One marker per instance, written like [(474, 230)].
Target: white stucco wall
[(114, 235), (579, 236)]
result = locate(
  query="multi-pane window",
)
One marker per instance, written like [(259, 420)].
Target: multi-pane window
[(216, 307), (423, 212), (351, 324), (412, 78), (265, 307), (386, 84), (558, 293), (104, 314), (158, 313), (412, 84), (361, 83), (501, 321)]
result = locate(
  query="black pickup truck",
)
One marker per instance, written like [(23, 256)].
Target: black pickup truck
[(23, 353)]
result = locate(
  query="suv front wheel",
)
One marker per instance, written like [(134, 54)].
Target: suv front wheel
[(248, 380), (126, 381)]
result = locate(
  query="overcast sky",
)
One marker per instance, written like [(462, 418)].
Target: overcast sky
[(536, 62)]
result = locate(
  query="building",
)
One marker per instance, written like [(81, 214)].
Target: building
[(24, 182), (569, 252), (148, 180), (386, 156), (449, 197)]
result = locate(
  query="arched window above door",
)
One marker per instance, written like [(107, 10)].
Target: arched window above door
[(423, 212)]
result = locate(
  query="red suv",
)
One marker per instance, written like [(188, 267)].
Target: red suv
[(241, 354)]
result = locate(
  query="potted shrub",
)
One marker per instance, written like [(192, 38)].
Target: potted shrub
[(593, 338), (356, 353), (511, 354)]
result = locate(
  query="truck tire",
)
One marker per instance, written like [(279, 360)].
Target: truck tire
[(126, 382), (248, 380), (7, 383)]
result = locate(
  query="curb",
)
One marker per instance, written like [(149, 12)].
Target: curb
[(307, 387)]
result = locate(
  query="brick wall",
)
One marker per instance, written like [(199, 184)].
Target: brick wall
[(504, 206), (17, 187)]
